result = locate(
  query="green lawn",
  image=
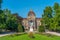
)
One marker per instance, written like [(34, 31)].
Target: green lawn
[(25, 37)]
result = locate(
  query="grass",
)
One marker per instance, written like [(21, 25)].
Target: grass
[(26, 37)]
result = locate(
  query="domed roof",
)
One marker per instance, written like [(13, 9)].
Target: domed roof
[(31, 12)]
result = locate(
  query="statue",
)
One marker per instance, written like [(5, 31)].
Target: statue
[(31, 30), (31, 27)]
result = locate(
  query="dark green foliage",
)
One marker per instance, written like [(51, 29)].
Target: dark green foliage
[(52, 22), (23, 28), (9, 22), (1, 11), (0, 4), (41, 29), (56, 6), (47, 16), (20, 28), (0, 1)]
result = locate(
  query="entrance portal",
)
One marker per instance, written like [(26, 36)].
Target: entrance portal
[(31, 25)]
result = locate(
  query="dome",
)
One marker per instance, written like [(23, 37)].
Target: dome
[(31, 13)]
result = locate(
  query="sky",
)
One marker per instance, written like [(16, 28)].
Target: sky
[(22, 7)]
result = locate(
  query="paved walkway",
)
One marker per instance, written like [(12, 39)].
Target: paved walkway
[(53, 33), (6, 34)]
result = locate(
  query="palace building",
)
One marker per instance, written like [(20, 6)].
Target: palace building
[(31, 18)]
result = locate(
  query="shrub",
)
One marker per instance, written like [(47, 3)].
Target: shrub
[(20, 28), (58, 29), (41, 29)]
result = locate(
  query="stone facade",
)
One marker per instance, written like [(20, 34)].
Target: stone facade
[(31, 18)]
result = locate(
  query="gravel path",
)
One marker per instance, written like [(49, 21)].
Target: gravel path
[(53, 33)]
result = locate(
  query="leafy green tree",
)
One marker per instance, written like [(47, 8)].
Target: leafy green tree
[(57, 16), (11, 21), (7, 20), (47, 16), (2, 21), (0, 4), (51, 17)]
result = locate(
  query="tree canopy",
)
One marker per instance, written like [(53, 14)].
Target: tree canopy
[(51, 17)]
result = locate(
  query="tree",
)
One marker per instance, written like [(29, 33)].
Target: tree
[(51, 17), (7, 20), (57, 16), (56, 6), (10, 20), (47, 16), (0, 4)]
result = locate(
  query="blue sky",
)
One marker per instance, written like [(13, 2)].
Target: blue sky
[(22, 7)]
